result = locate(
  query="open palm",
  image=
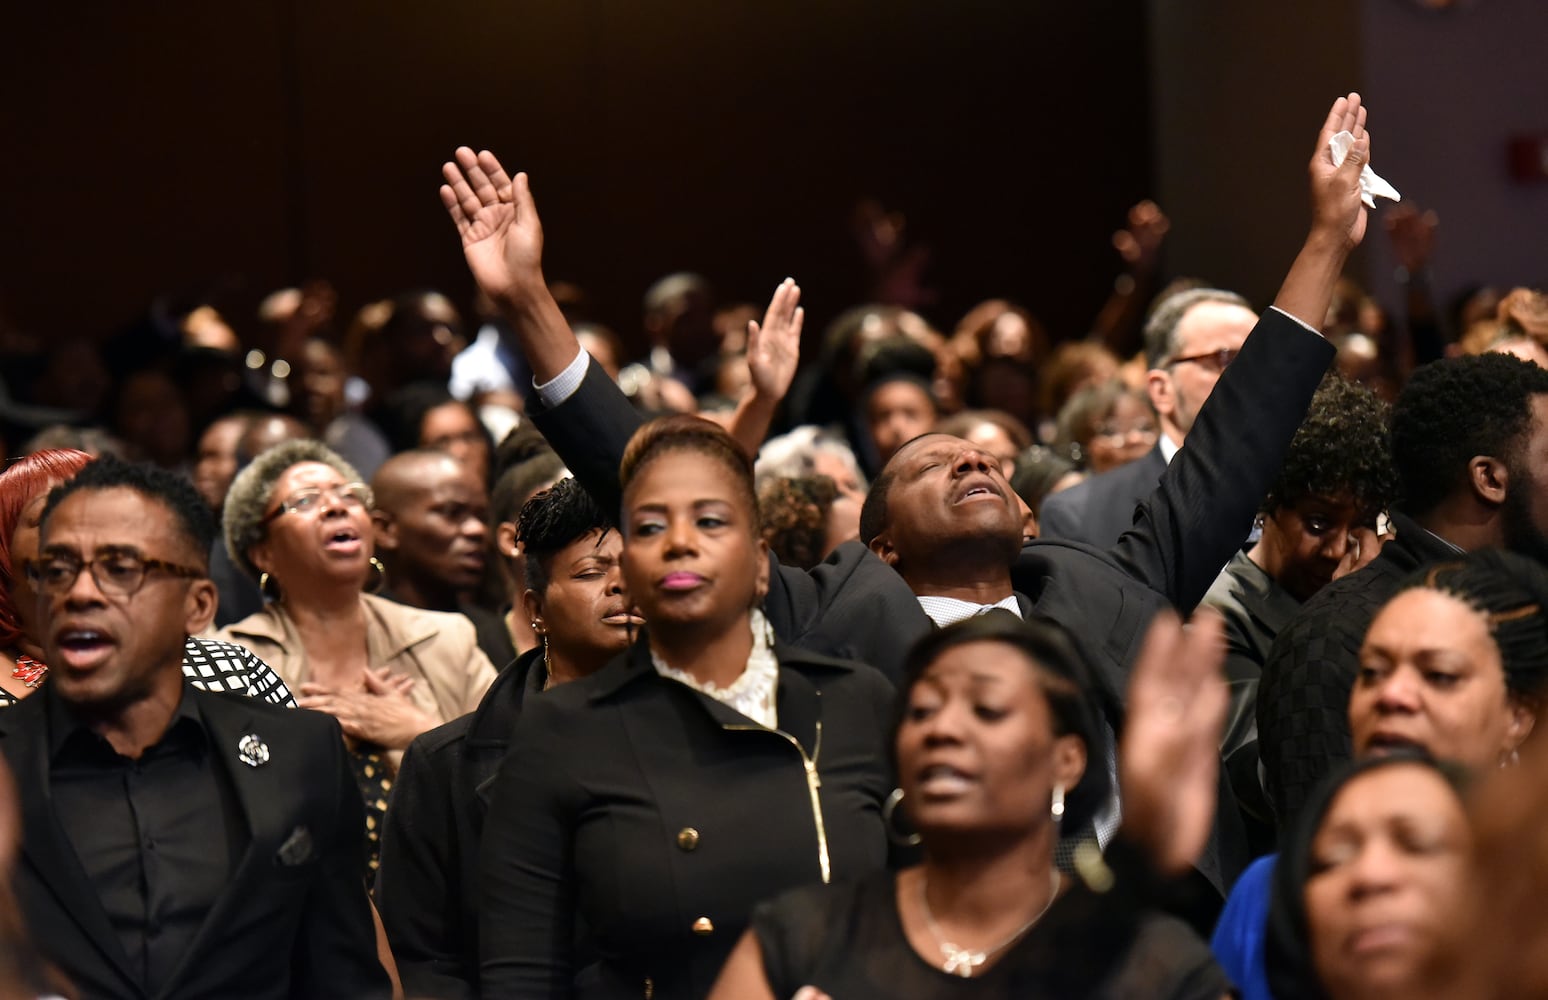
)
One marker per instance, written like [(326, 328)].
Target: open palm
[(502, 237)]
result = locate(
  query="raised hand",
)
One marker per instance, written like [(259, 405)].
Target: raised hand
[(1169, 760), (1337, 211), (774, 348), (502, 237), (1139, 242)]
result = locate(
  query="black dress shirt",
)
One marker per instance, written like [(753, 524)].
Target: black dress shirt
[(157, 837)]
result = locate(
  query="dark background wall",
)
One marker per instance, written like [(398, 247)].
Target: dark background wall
[(176, 145)]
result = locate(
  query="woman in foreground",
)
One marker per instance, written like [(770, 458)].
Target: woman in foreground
[(996, 718)]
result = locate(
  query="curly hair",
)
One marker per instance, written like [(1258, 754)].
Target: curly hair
[(1343, 447), (1453, 410), (248, 498), (795, 517)]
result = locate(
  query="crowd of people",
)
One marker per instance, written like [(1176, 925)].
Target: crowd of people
[(1198, 655)]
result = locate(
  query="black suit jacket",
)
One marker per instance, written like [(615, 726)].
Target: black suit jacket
[(659, 817), (427, 885), (1100, 509), (855, 606), (294, 920)]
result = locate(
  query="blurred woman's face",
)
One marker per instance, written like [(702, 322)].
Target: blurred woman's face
[(976, 748), (452, 428), (1125, 434), (24, 547), (330, 541), (692, 555), (844, 515), (1389, 874), (1431, 677)]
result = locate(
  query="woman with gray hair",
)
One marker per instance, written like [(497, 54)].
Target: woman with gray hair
[(299, 521)]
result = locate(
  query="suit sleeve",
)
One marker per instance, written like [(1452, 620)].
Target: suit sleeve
[(526, 912), (1201, 512), (1059, 518), (416, 884), (590, 430), (335, 952)]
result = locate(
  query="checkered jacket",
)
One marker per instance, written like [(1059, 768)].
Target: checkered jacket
[(214, 665)]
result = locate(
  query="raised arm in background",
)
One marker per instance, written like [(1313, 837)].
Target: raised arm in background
[(502, 239)]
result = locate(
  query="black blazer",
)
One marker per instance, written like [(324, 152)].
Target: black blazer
[(855, 606), (427, 885), (1100, 509), (660, 817), (294, 920)]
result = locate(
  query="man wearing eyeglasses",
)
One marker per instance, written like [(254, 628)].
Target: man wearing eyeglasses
[(177, 843), (1190, 338)]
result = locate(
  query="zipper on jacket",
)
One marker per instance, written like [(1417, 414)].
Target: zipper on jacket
[(813, 783)]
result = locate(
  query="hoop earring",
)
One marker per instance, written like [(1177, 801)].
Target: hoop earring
[(1057, 810), (893, 833), (381, 576), (268, 587)]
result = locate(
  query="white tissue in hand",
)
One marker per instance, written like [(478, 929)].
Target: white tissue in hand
[(1371, 185)]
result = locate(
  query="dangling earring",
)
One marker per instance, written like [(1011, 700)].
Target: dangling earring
[(1511, 759), (1057, 810), (893, 833), (269, 592), (381, 576)]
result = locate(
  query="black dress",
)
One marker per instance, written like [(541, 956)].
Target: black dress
[(848, 941), (659, 817)]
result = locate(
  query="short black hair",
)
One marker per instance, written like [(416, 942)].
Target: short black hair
[(1065, 679), (552, 520), (1342, 447), (191, 516), (1454, 409), (873, 512)]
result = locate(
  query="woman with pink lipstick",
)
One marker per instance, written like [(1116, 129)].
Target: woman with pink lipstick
[(298, 520), (657, 801)]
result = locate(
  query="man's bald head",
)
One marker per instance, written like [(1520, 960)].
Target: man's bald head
[(407, 474)]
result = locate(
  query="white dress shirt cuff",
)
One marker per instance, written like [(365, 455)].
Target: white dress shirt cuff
[(562, 386), (1299, 320)]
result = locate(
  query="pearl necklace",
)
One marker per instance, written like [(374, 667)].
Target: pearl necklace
[(965, 961)]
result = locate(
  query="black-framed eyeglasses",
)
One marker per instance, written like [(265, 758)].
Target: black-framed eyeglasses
[(117, 572), (1219, 360), (308, 500)]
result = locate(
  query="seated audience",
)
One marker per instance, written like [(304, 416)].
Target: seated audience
[(428, 884), (299, 520), (994, 733), (178, 843), (693, 759), (24, 489)]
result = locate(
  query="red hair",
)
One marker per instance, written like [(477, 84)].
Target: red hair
[(22, 483)]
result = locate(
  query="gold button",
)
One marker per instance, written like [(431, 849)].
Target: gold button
[(687, 838), (703, 927)]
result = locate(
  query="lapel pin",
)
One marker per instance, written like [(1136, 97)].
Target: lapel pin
[(253, 751)]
